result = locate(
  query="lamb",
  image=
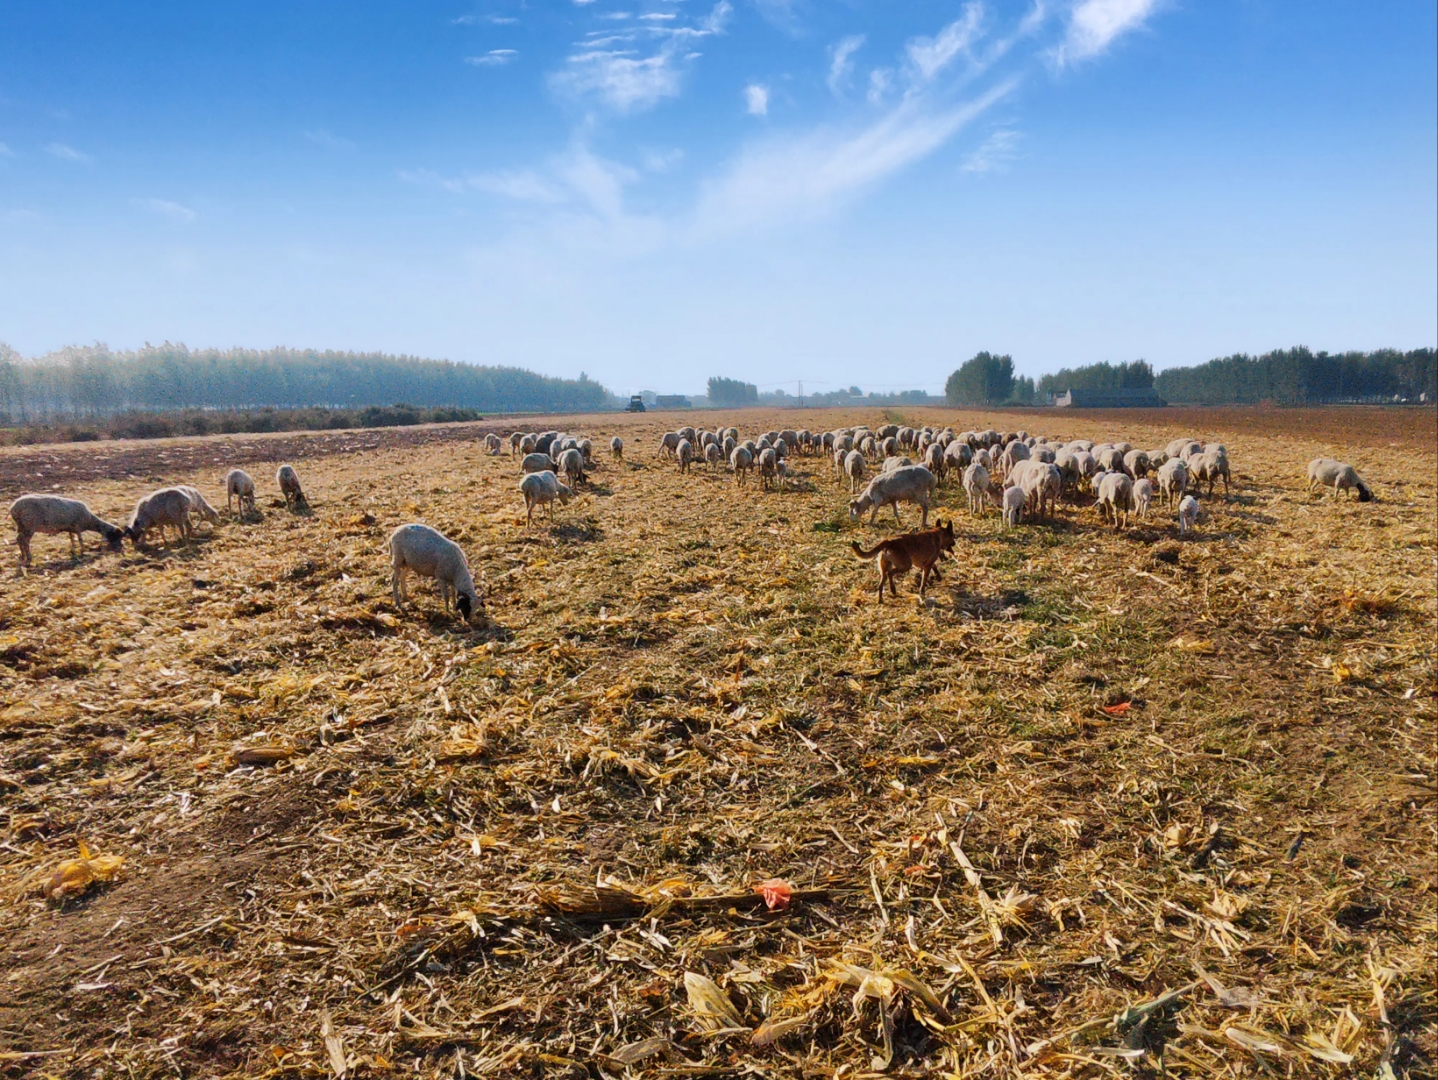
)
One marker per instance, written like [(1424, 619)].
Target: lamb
[(536, 462), (1142, 496), (781, 470), (1187, 515), (1115, 496), (289, 482), (239, 485), (429, 553), (976, 486), (54, 514), (493, 444), (1340, 476), (541, 489), (1013, 506), (684, 454), (616, 447), (741, 461), (167, 506), (1172, 480), (913, 483), (198, 504), (571, 466), (853, 468)]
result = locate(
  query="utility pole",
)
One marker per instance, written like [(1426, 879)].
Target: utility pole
[(801, 393)]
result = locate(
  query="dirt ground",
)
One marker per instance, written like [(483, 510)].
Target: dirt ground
[(1102, 803)]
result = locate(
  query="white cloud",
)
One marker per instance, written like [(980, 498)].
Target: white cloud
[(493, 58), (66, 153), (329, 140), (1094, 24), (626, 80), (994, 153), (523, 186), (929, 56), (492, 20), (165, 208), (659, 16), (879, 81), (756, 99), (841, 62), (780, 181)]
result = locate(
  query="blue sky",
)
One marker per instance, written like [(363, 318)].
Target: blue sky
[(658, 191)]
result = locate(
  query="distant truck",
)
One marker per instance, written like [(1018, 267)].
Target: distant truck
[(636, 404)]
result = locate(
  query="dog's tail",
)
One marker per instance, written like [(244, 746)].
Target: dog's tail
[(1365, 493), (859, 551)]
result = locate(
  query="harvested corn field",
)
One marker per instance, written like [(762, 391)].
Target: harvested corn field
[(685, 799)]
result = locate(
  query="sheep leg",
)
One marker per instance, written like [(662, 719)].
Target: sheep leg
[(23, 539)]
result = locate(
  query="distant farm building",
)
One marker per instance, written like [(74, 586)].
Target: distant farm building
[(671, 401), (1145, 398)]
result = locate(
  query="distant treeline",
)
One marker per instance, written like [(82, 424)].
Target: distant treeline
[(1301, 377), (94, 382), (163, 425), (1137, 375)]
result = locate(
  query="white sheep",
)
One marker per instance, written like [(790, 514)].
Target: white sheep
[(934, 460), (1012, 505), (684, 454), (289, 483), (493, 444), (1172, 480), (668, 443), (239, 485), (853, 468), (976, 486), (1211, 465), (541, 489), (1187, 515), (768, 462), (198, 504), (571, 466), (913, 483), (165, 507), (1136, 463), (1142, 496), (741, 460), (536, 462), (616, 448), (429, 553), (55, 514), (1338, 475), (714, 454), (1115, 496), (892, 463), (515, 438)]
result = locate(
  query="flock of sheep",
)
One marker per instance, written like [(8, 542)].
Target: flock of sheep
[(1022, 474)]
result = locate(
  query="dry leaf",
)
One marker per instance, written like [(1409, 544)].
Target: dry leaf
[(712, 1007), (74, 876)]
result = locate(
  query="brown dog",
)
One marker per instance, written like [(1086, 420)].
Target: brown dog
[(899, 554)]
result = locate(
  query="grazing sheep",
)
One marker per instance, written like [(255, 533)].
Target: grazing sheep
[(239, 485), (959, 455), (983, 457), (289, 482), (167, 506), (741, 461), (429, 553), (684, 454), (1115, 496), (1066, 461), (853, 468), (1187, 515), (1136, 463), (976, 486), (768, 461), (1041, 484), (713, 454), (668, 443), (493, 444), (529, 444), (890, 464), (571, 466), (1086, 464), (1211, 465), (1110, 459), (686, 433), (1041, 452), (781, 471), (1338, 475), (913, 483), (890, 446), (1013, 506), (1142, 496), (1172, 480), (515, 438), (728, 446), (536, 462), (935, 461), (616, 447), (1012, 455), (541, 489), (198, 504), (54, 514), (869, 448)]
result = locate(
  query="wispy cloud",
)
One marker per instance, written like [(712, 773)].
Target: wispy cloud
[(479, 20), (626, 79), (880, 79), (165, 208), (329, 140), (994, 153), (756, 99), (66, 153), (1093, 25), (493, 58), (659, 16), (841, 61), (929, 56)]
